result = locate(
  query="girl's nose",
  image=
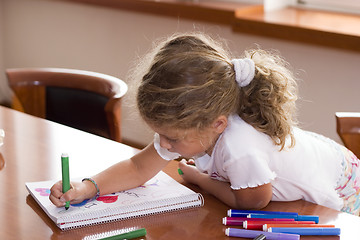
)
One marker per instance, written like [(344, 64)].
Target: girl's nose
[(164, 143)]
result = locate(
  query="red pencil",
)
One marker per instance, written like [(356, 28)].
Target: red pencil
[(258, 225)]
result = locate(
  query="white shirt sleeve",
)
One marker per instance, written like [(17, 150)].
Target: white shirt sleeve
[(163, 152), (248, 171)]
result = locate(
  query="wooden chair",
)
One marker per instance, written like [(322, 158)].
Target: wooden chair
[(348, 128), (85, 100)]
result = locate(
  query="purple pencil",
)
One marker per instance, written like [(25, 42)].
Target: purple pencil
[(235, 232)]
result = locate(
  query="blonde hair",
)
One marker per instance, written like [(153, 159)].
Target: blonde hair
[(191, 81)]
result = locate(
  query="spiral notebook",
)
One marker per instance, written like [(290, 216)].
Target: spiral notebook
[(159, 194)]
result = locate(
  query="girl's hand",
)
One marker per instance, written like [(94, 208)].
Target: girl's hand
[(78, 192), (190, 173), (247, 198)]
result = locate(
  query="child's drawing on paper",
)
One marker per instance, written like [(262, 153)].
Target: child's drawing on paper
[(127, 197), (43, 191)]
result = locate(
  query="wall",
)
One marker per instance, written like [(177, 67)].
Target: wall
[(40, 33), (4, 93)]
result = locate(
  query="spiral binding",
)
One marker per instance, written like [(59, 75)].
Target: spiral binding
[(127, 212)]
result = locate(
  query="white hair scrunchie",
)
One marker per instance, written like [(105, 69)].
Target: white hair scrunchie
[(244, 71)]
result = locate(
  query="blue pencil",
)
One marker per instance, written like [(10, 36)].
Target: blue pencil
[(295, 217), (244, 213), (307, 231)]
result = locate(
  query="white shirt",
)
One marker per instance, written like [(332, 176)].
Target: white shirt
[(246, 158)]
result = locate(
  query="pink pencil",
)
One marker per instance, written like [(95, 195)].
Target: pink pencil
[(238, 221), (258, 225)]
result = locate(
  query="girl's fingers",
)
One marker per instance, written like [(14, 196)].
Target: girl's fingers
[(191, 161), (56, 201)]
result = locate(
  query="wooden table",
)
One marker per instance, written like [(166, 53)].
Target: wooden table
[(31, 152)]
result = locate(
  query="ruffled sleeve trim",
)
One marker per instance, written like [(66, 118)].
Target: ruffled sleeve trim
[(255, 183), (164, 153)]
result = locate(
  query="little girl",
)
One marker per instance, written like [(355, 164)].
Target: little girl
[(235, 118)]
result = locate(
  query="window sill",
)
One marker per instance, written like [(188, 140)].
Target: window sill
[(307, 26)]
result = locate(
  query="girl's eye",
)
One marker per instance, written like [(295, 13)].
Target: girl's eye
[(172, 140)]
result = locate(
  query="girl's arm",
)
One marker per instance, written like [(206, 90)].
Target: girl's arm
[(124, 175), (132, 172), (248, 198)]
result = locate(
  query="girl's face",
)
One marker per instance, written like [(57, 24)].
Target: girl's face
[(189, 143)]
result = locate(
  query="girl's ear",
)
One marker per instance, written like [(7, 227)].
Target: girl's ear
[(220, 124)]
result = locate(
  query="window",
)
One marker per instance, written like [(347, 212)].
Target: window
[(350, 6)]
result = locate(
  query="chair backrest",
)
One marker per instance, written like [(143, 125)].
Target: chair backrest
[(85, 100), (348, 128)]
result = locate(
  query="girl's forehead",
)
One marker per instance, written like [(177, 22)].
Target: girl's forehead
[(172, 132)]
